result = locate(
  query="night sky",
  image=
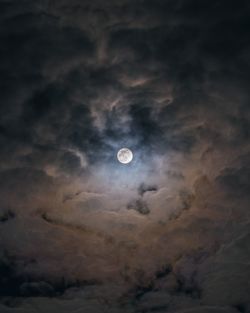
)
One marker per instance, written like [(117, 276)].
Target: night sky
[(81, 232)]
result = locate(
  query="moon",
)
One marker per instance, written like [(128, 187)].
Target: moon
[(125, 155)]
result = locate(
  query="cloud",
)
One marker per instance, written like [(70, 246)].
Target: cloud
[(80, 80), (6, 216), (143, 188), (139, 206), (235, 181)]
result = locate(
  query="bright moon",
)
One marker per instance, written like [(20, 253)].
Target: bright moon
[(125, 155)]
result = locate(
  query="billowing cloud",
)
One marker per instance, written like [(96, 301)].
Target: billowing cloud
[(80, 231)]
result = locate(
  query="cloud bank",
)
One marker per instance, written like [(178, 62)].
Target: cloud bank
[(78, 230)]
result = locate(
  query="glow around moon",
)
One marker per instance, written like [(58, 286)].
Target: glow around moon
[(125, 155)]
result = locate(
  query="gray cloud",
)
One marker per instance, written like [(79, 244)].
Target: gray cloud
[(80, 80)]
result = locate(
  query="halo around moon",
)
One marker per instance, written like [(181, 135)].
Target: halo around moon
[(125, 155)]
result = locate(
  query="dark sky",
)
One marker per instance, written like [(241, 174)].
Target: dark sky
[(81, 232)]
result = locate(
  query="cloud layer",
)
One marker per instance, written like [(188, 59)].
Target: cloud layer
[(78, 230)]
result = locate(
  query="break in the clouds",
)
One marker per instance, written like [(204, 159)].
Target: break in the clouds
[(79, 231)]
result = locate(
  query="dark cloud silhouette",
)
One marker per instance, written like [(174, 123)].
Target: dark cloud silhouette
[(146, 188), (6, 215), (139, 206)]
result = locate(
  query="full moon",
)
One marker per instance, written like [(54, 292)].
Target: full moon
[(125, 155)]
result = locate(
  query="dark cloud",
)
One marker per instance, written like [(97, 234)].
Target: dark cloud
[(16, 284), (6, 215), (139, 206), (146, 188), (235, 181), (36, 289)]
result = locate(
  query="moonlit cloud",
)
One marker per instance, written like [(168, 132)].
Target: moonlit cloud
[(80, 231)]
